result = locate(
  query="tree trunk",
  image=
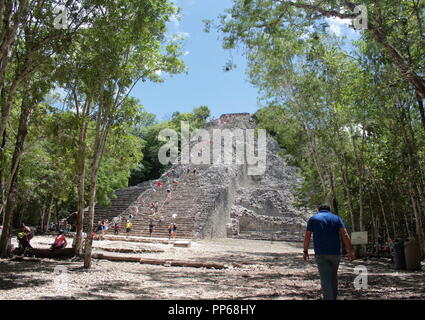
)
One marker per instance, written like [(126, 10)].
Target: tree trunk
[(81, 157), (92, 202), (334, 193), (8, 32), (420, 237), (421, 110), (57, 211), (381, 203), (360, 169), (42, 217), (345, 181), (12, 187), (2, 173), (393, 218), (49, 214), (99, 145), (375, 231)]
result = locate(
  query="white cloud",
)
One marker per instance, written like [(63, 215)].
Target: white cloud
[(175, 18), (183, 34), (335, 28), (180, 35), (339, 26), (347, 22)]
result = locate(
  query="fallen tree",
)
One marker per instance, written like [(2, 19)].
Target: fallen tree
[(125, 250), (173, 263), (138, 239), (45, 253)]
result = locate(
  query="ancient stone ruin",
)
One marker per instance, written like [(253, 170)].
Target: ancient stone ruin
[(219, 200)]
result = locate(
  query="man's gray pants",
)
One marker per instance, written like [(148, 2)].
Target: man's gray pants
[(328, 270)]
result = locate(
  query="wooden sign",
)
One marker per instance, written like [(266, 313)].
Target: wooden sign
[(358, 238)]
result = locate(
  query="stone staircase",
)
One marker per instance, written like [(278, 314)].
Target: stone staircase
[(188, 198), (180, 204), (118, 205)]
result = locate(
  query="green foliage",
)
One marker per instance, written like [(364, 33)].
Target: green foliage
[(348, 120), (108, 47), (150, 167)]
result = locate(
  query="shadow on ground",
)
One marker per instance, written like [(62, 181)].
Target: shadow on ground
[(260, 275)]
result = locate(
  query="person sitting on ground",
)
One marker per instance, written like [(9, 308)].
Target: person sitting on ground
[(174, 216), (23, 240), (60, 241), (169, 196), (128, 226)]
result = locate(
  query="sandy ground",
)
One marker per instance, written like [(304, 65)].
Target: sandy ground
[(268, 270)]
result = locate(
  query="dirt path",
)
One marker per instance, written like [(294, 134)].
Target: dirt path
[(268, 270)]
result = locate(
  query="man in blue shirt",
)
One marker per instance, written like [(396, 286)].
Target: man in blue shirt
[(327, 228)]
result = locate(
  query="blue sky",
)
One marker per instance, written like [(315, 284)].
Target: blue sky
[(206, 83)]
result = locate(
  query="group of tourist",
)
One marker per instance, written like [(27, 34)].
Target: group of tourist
[(101, 229), (328, 230), (172, 230), (228, 119), (166, 182), (62, 225), (26, 234)]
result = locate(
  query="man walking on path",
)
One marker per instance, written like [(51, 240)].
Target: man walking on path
[(327, 228)]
